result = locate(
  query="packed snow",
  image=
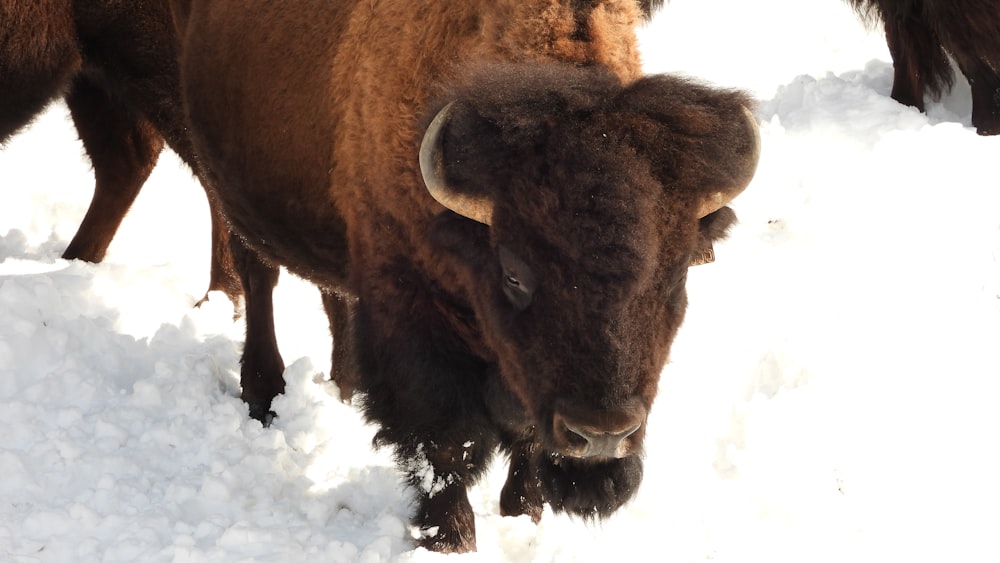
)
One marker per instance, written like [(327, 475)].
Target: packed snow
[(831, 396)]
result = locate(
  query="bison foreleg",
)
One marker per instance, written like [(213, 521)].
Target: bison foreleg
[(441, 475), (985, 83), (919, 62), (223, 272), (123, 148), (262, 366), (425, 391), (344, 370), (986, 106), (445, 521), (521, 492)]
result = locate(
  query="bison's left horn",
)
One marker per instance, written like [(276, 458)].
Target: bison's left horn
[(432, 168), (718, 200)]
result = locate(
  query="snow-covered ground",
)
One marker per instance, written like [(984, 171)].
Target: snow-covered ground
[(832, 395)]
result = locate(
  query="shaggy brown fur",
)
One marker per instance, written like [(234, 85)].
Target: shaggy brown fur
[(115, 64), (543, 333), (922, 33)]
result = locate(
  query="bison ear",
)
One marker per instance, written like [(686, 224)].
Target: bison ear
[(699, 139)]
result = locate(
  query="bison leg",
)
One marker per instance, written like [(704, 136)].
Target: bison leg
[(262, 366), (985, 85), (446, 522), (907, 87), (223, 275), (340, 310), (38, 56), (123, 148), (441, 474), (918, 60), (426, 392), (440, 467), (521, 493), (986, 104)]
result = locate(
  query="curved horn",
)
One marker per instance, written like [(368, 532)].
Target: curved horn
[(432, 169), (718, 200)]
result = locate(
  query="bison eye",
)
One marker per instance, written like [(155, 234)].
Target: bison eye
[(519, 281)]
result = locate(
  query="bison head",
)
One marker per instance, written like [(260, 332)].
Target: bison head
[(578, 204)]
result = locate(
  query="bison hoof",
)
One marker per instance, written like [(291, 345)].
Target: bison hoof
[(515, 506), (433, 539), (446, 522), (262, 412)]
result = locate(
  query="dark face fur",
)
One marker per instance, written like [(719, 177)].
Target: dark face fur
[(578, 280)]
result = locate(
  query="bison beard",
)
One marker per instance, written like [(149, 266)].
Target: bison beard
[(922, 34), (589, 489)]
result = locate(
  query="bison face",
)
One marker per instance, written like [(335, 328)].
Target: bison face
[(589, 200)]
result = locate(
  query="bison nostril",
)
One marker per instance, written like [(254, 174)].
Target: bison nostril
[(583, 432), (589, 443), (578, 440)]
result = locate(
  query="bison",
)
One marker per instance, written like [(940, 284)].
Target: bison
[(115, 64), (921, 34), (500, 208)]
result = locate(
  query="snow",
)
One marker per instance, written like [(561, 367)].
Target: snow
[(831, 395)]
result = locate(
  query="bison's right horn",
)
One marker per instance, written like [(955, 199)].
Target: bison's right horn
[(718, 200), (432, 168)]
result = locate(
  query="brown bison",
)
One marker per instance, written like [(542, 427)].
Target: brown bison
[(501, 208), (115, 63), (922, 33)]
